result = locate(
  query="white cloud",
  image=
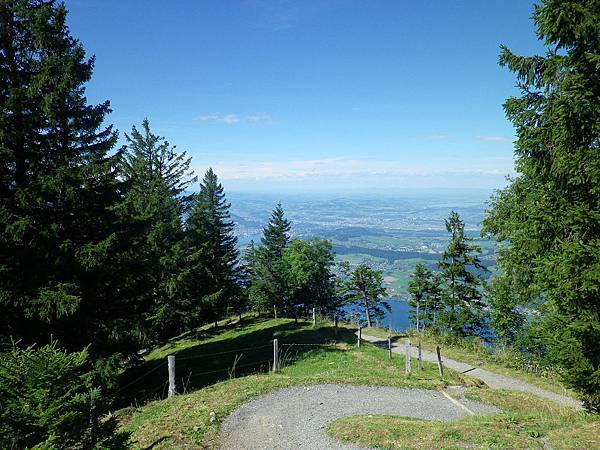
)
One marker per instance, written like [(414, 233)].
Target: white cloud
[(228, 119), (232, 119), (346, 168), (493, 138), (259, 118), (434, 136)]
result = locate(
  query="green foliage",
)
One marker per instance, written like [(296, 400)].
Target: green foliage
[(157, 177), (50, 399), (61, 243), (266, 270), (308, 275), (461, 294), (506, 317), (364, 286), (290, 277), (213, 272), (549, 216), (276, 236), (425, 296)]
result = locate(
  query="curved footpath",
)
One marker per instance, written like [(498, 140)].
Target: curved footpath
[(493, 380), (297, 417)]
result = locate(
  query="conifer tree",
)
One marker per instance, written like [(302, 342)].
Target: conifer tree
[(157, 177), (50, 401), (215, 272), (60, 240), (548, 218), (276, 236), (462, 293), (267, 270)]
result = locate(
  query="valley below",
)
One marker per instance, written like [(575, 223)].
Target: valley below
[(389, 233)]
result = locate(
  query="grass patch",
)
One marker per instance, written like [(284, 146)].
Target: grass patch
[(526, 422), (193, 420), (382, 333)]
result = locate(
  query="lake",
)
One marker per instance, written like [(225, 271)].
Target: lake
[(398, 316)]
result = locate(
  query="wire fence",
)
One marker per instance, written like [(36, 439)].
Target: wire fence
[(185, 372)]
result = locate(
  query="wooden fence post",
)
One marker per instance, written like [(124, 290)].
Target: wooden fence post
[(314, 317), (439, 359), (171, 366), (275, 355), (420, 359), (359, 335), (407, 368), (389, 347)]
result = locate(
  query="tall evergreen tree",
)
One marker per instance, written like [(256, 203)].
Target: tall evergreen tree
[(276, 236), (462, 293), (60, 239), (157, 177), (549, 217), (267, 270), (215, 271)]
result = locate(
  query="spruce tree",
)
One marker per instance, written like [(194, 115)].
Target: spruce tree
[(462, 293), (276, 236), (157, 177), (60, 240), (267, 270), (215, 272), (50, 400), (548, 218)]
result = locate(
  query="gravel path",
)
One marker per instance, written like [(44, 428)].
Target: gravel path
[(493, 380), (296, 418)]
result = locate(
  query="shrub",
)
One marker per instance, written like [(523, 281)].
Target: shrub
[(50, 398)]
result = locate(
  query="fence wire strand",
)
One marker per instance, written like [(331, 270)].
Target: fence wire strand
[(204, 355), (226, 369), (144, 375)]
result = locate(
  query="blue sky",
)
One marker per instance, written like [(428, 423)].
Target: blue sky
[(328, 95)]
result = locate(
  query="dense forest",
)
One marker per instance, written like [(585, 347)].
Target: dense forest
[(107, 250)]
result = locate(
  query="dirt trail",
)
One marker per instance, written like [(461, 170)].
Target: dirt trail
[(492, 379), (297, 418)]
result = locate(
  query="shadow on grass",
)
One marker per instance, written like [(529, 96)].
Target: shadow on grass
[(155, 443), (248, 350)]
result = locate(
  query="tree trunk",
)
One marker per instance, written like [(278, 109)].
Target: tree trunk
[(417, 316), (275, 311), (367, 312)]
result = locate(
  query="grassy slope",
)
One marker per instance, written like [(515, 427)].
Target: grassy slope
[(192, 420), (526, 422)]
